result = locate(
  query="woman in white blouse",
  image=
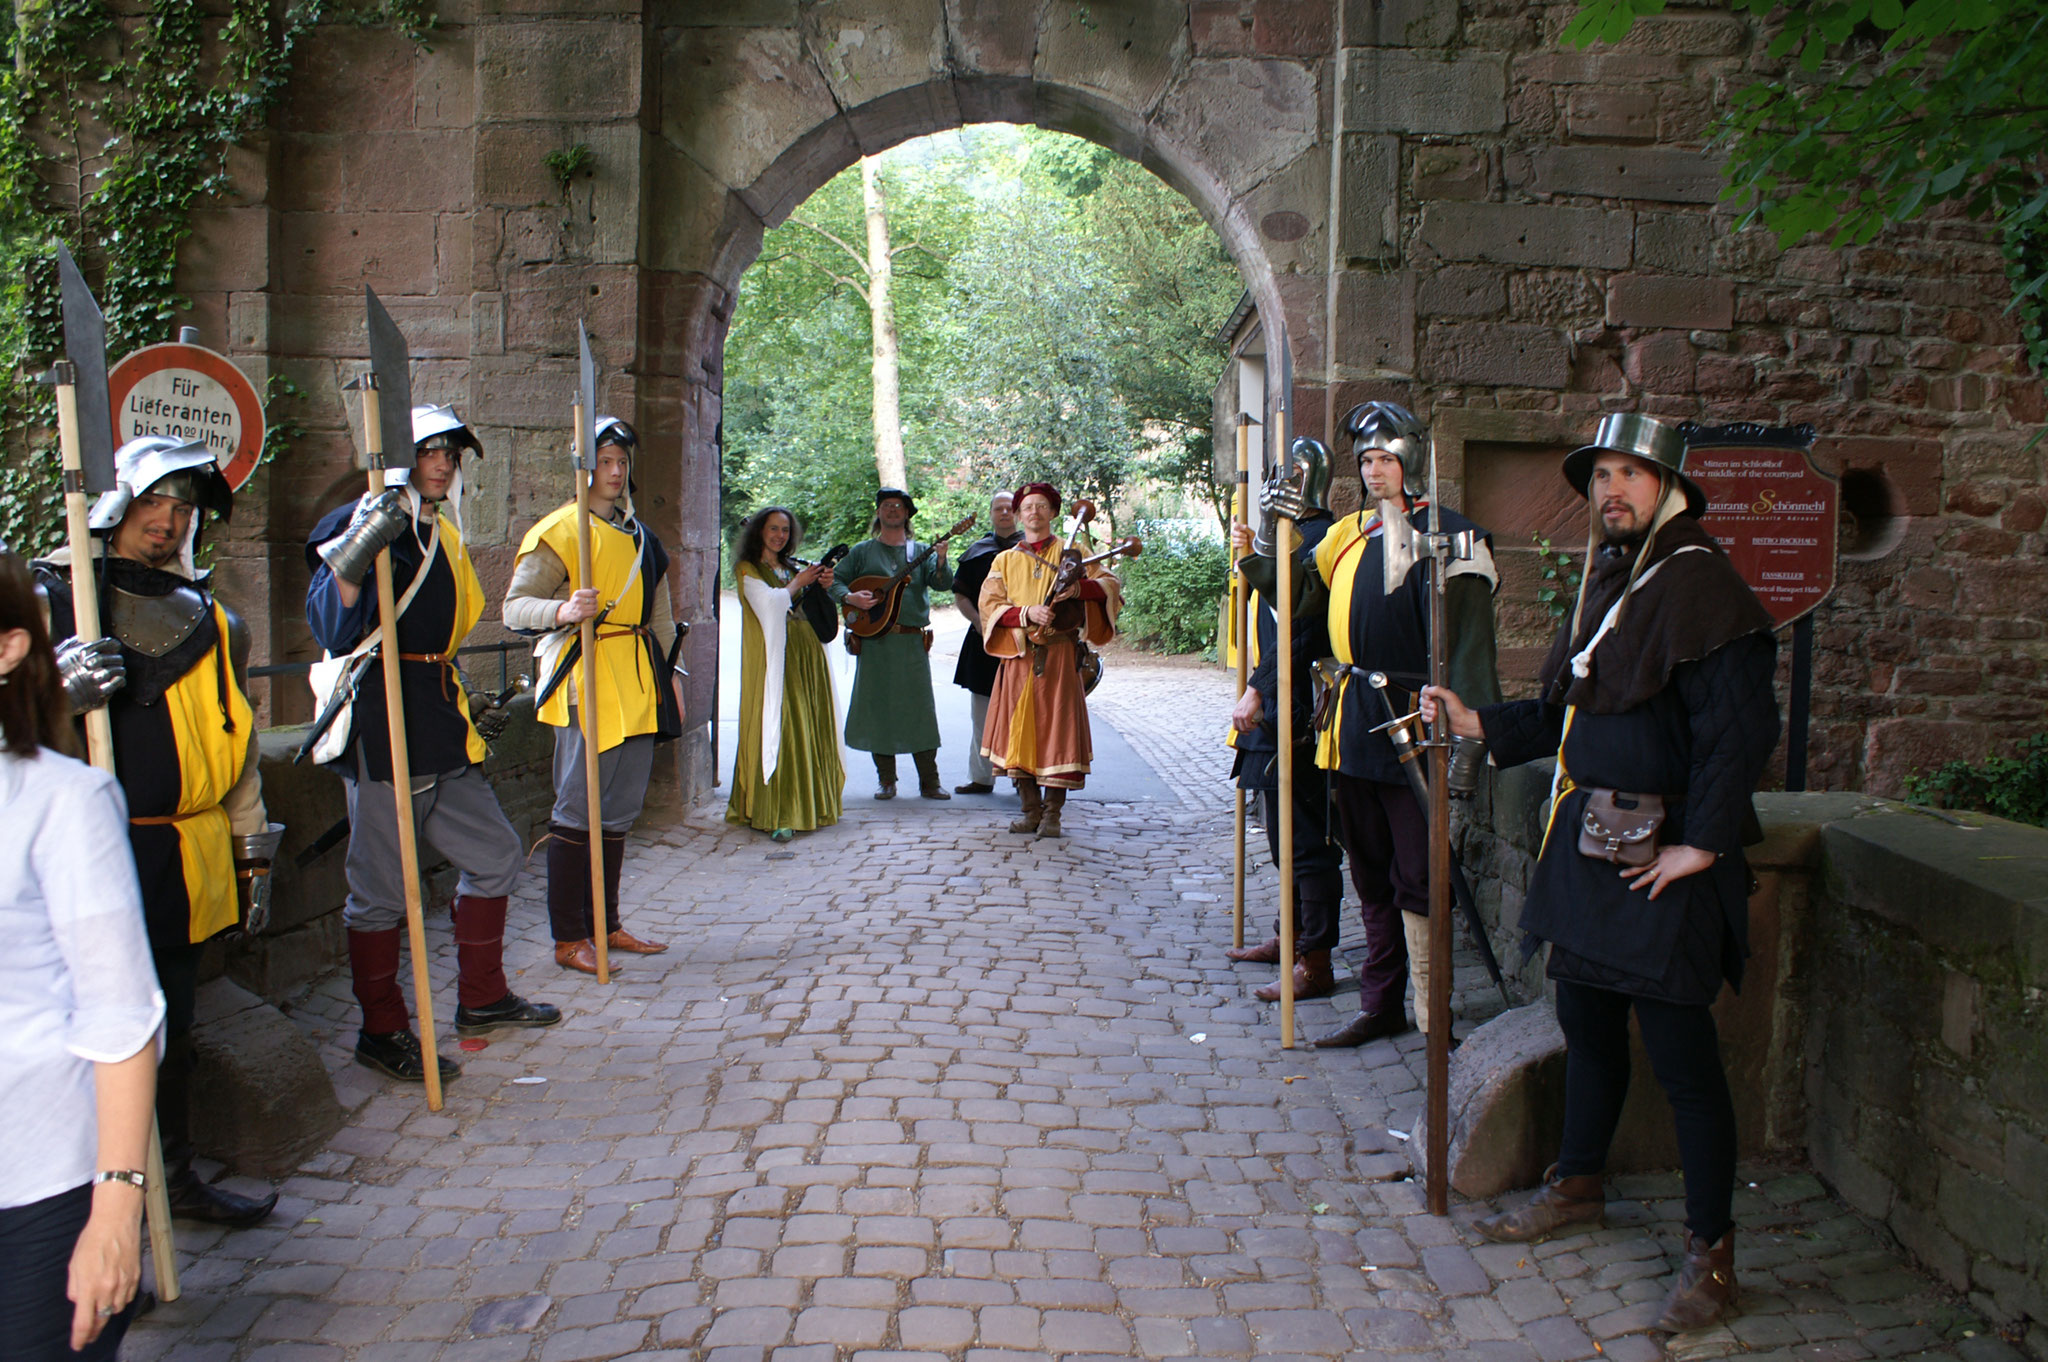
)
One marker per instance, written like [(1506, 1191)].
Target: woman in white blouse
[(787, 777), (79, 1014)]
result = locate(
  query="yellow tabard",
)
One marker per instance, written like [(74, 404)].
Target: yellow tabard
[(1338, 558), (628, 703), (210, 762), (469, 608)]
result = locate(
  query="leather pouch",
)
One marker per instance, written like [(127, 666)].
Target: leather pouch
[(1620, 827)]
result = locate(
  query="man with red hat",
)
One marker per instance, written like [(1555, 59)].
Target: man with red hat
[(1657, 702)]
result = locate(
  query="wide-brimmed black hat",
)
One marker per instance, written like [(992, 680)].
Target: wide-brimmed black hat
[(1645, 437), (899, 494)]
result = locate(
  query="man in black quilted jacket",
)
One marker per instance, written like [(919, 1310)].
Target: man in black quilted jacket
[(1659, 685)]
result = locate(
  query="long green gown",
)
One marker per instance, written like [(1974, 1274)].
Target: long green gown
[(804, 792)]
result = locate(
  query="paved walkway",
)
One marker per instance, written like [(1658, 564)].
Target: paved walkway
[(918, 1088)]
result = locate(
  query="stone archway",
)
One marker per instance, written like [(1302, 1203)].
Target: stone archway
[(754, 119)]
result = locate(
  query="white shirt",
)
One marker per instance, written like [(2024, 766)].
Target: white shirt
[(76, 983)]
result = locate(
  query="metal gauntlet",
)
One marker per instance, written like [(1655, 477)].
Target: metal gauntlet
[(91, 672), (1468, 755), (378, 522), (490, 721), (253, 855)]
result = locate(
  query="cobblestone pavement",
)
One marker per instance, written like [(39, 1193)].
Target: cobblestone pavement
[(918, 1088)]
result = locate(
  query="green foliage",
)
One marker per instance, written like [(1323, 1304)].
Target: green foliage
[(1171, 590), (567, 163), (2013, 787), (1559, 572), (1888, 108), (115, 121)]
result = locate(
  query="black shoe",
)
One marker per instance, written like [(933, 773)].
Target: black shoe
[(192, 1199), (932, 792), (974, 787), (510, 1010), (1388, 1021), (397, 1053), (886, 791)]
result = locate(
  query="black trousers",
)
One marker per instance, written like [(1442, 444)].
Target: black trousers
[(177, 972), (1318, 863), (1386, 835), (36, 1241), (1685, 1053)]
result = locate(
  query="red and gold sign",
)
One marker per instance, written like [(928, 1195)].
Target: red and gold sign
[(1771, 509)]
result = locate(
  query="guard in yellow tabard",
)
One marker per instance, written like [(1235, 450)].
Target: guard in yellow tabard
[(639, 702)]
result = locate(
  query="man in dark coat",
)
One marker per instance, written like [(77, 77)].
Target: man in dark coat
[(1661, 684), (976, 670), (1318, 863)]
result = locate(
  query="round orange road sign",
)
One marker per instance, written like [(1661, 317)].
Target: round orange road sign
[(192, 393)]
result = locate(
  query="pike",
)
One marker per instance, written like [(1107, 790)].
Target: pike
[(1438, 1067), (1240, 623), (85, 439), (1283, 805), (387, 443), (583, 460)]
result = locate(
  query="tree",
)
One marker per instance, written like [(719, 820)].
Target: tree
[(1887, 109)]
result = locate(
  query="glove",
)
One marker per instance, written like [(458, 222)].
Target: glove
[(1284, 496), (254, 854), (90, 671), (490, 723), (378, 522)]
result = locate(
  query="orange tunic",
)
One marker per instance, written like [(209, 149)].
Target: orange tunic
[(1038, 712)]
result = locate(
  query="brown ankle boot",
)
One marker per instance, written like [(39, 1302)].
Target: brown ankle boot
[(1705, 1289), (1312, 979), (1559, 1202), (1049, 813), (1267, 952), (1034, 806)]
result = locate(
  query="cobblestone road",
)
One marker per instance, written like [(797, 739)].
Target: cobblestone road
[(918, 1088)]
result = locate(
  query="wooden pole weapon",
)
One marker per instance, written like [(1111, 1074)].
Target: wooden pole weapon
[(1283, 564), (1438, 1056), (586, 707), (1240, 598)]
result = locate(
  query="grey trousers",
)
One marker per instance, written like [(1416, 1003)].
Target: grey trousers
[(621, 780), (457, 814), (979, 769)]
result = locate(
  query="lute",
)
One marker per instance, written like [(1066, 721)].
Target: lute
[(880, 617)]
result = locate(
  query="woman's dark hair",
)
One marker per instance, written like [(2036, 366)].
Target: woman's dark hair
[(748, 548), (33, 711)]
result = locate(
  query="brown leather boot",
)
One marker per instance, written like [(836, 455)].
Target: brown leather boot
[(1267, 952), (1034, 807), (623, 940), (580, 956), (1049, 814), (1559, 1202), (1705, 1289), (1312, 979)]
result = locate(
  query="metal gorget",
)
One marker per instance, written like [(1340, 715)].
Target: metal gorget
[(154, 625)]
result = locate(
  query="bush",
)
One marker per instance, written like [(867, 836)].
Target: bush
[(1171, 590), (2012, 787)]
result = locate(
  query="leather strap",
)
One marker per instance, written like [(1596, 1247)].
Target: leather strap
[(445, 660), (166, 819)]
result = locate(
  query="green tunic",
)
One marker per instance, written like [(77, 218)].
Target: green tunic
[(891, 709), (804, 792)]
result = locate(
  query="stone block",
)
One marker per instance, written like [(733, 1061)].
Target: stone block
[(888, 49), (1293, 28), (1506, 1103), (1461, 291), (355, 79), (553, 69), (1369, 201), (1294, 234), (1495, 355), (1672, 301), (1126, 53), (261, 1098), (1612, 115), (912, 111), (1659, 174), (444, 82), (1896, 864), (992, 40), (341, 252), (1912, 467), (229, 250), (1661, 363), (1389, 90), (1375, 321), (1399, 23), (1241, 117), (333, 325), (728, 95), (401, 172), (724, 13), (1675, 243), (1452, 172), (1527, 234)]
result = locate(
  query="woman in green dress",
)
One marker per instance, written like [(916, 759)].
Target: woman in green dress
[(787, 776)]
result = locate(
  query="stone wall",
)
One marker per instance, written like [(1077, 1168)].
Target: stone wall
[(1893, 1025)]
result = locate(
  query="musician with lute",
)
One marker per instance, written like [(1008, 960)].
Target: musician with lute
[(883, 586), (1043, 604)]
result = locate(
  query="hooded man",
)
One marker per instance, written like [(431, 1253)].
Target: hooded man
[(172, 673), (1375, 568), (1657, 702), (635, 635), (438, 601), (976, 670), (892, 710)]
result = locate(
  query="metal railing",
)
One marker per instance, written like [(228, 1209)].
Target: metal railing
[(503, 649)]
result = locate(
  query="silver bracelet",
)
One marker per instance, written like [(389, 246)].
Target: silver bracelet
[(128, 1175)]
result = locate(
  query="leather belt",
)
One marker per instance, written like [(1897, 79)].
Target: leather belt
[(162, 820), (446, 661), (906, 629)]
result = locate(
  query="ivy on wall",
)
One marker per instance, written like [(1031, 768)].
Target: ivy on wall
[(115, 121)]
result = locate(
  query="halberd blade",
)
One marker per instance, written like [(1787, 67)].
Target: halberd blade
[(85, 345), (391, 362), (587, 381)]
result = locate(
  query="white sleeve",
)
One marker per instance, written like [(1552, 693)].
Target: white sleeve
[(96, 918)]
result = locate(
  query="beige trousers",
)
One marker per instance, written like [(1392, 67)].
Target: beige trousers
[(1415, 927)]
